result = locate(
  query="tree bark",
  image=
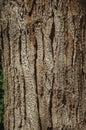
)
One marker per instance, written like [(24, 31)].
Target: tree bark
[(44, 64)]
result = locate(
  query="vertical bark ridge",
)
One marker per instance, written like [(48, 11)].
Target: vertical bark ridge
[(35, 66), (23, 76), (19, 104), (6, 66), (18, 101), (22, 97)]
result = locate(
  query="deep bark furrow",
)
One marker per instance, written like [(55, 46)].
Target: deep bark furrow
[(20, 101), (14, 104), (43, 45), (1, 36), (73, 55), (51, 102), (7, 86), (24, 87), (8, 36), (26, 41), (52, 35), (20, 47), (33, 4)]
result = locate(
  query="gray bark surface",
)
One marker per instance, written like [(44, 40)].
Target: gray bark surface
[(44, 64)]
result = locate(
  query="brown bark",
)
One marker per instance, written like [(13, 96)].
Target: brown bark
[(44, 61)]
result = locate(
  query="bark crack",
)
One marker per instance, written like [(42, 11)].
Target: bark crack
[(24, 98), (51, 104), (14, 104), (8, 36), (20, 47), (43, 44), (1, 35), (19, 104), (52, 33)]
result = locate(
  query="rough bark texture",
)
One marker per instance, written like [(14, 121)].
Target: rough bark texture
[(44, 61)]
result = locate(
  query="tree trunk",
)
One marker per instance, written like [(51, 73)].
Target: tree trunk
[(44, 64)]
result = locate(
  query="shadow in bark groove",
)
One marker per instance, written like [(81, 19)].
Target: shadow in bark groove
[(1, 126), (49, 128)]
